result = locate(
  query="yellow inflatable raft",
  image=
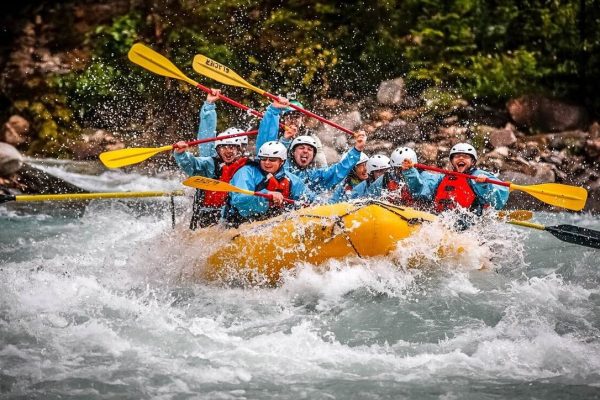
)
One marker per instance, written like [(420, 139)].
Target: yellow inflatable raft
[(263, 249)]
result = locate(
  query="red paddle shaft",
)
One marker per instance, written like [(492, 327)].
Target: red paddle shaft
[(445, 171)]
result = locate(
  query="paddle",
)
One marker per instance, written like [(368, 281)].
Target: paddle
[(85, 196), (221, 73), (124, 157), (516, 215), (556, 194), (567, 233), (204, 183), (154, 62)]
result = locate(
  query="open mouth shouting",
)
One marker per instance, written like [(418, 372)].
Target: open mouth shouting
[(462, 162)]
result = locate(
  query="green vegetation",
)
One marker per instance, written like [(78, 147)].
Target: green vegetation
[(474, 49)]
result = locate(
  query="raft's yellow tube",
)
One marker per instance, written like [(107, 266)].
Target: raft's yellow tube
[(314, 235)]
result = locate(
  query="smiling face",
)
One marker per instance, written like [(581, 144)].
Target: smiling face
[(270, 164), (462, 162), (228, 153), (303, 155), (360, 170)]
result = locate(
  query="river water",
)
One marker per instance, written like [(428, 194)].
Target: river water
[(95, 304)]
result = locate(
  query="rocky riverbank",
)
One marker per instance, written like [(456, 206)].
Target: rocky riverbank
[(567, 150), (530, 139)]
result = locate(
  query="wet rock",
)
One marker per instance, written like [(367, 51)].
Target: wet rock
[(592, 149), (574, 141), (593, 201), (15, 130), (399, 131), (428, 152), (531, 151), (34, 180), (392, 92), (384, 115), (545, 172), (520, 178), (94, 143), (379, 147), (541, 113), (502, 138), (333, 137), (451, 120), (499, 152), (554, 157), (483, 115), (458, 133), (594, 130), (10, 160)]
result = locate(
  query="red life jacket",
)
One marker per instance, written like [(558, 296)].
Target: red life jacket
[(453, 190), (283, 186), (392, 186), (224, 172)]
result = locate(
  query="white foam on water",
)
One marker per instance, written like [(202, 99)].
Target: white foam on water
[(113, 180), (329, 283), (108, 298)]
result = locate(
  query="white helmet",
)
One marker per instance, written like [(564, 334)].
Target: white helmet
[(304, 140), (378, 162), (273, 149), (243, 140), (401, 154), (234, 141), (465, 148), (363, 158)]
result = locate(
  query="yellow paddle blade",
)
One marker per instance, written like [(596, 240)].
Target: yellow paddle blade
[(221, 73), (204, 183), (123, 157), (556, 194), (91, 196), (516, 215), (157, 63)]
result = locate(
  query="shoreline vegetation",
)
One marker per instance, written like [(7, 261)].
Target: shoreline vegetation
[(517, 80)]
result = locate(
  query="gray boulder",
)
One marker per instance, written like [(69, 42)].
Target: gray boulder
[(392, 92), (10, 160)]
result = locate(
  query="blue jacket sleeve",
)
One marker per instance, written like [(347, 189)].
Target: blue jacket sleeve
[(327, 178), (268, 129), (207, 129), (248, 178), (495, 195), (192, 166), (422, 184)]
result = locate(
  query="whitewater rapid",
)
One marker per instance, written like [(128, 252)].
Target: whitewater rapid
[(95, 303)]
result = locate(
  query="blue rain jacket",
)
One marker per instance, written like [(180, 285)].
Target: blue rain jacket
[(486, 193), (249, 177), (361, 190), (318, 180), (207, 128), (340, 193), (205, 164), (416, 190)]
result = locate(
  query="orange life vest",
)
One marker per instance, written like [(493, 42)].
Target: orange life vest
[(283, 186), (223, 172), (453, 190)]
